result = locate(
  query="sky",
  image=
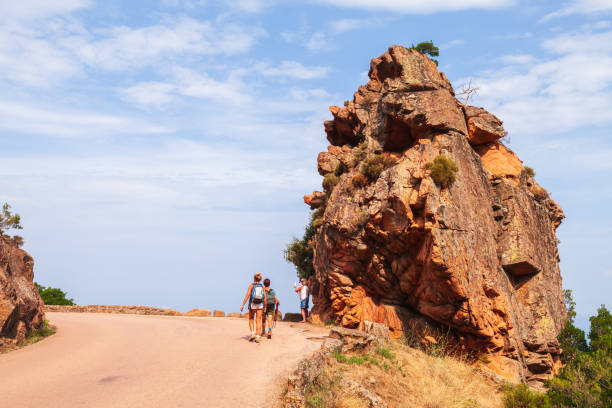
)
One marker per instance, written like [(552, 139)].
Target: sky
[(158, 151)]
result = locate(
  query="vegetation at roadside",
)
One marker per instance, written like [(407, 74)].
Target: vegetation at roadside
[(586, 378), (299, 250), (36, 335), (402, 376), (53, 296), (443, 170)]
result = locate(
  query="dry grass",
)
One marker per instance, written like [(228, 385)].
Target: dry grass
[(407, 377)]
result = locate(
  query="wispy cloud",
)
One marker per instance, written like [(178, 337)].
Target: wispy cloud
[(580, 7), (19, 117), (516, 59), (293, 69), (418, 6), (451, 44), (553, 93), (28, 9)]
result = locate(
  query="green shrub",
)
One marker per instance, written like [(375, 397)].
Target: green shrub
[(329, 182), (340, 169), (385, 352), (299, 251), (521, 396), (53, 296), (372, 167), (442, 170), (36, 335), (530, 172)]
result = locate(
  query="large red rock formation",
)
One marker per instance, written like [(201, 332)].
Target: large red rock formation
[(477, 259), (21, 308)]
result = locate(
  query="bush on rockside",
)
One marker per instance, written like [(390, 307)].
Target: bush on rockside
[(443, 170)]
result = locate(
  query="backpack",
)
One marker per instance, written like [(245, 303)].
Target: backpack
[(271, 296), (257, 294)]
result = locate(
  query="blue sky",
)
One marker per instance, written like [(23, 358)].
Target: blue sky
[(158, 151)]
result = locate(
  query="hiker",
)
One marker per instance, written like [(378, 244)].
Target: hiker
[(271, 308), (256, 296), (304, 292)]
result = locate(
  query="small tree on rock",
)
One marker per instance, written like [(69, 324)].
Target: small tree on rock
[(427, 47)]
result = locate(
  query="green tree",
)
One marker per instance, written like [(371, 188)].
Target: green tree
[(427, 47), (571, 339), (299, 252), (9, 220), (600, 336), (53, 296)]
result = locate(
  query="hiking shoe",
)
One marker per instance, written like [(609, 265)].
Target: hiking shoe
[(269, 334), (257, 339), (252, 337)]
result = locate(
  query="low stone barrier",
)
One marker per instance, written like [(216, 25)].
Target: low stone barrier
[(218, 313), (292, 317), (116, 309), (199, 313)]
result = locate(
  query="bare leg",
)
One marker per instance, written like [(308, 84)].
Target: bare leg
[(259, 315), (251, 323), (303, 316), (263, 323)]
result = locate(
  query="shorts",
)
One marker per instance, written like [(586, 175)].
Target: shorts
[(269, 312), (304, 304), (256, 306)]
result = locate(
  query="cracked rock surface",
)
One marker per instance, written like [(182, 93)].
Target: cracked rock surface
[(476, 260)]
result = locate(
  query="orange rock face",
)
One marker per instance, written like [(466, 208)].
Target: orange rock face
[(477, 260), (21, 308)]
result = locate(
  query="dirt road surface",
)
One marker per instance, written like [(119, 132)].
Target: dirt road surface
[(115, 361)]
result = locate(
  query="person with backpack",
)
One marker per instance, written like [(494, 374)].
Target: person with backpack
[(256, 295), (271, 308)]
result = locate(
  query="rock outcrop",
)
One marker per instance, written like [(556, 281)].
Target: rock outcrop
[(476, 260), (21, 308)]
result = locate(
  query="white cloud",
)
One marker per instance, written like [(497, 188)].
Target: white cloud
[(451, 44), (580, 7), (122, 47), (516, 59), (418, 6), (251, 6), (569, 89), (149, 93), (25, 118), (350, 24), (294, 69), (27, 9), (318, 42)]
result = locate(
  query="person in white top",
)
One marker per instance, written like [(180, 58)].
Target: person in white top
[(304, 292)]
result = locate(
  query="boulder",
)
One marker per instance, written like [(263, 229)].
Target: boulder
[(218, 313), (475, 261), (21, 308), (352, 339), (483, 127)]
